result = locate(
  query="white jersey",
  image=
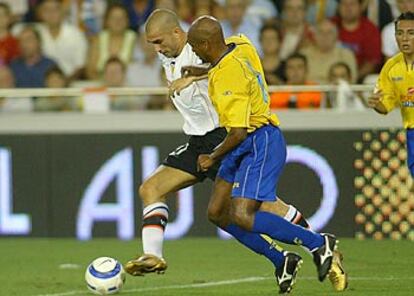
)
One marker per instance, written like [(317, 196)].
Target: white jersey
[(193, 103)]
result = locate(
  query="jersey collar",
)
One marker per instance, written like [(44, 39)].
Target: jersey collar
[(230, 48)]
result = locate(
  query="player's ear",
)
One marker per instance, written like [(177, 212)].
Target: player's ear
[(176, 31)]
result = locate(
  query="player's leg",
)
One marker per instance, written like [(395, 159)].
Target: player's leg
[(218, 213), (153, 193), (410, 153), (337, 274), (289, 212), (286, 264), (257, 175)]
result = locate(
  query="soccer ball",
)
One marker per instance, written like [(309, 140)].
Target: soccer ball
[(105, 276)]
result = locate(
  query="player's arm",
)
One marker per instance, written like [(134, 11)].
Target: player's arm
[(196, 71), (235, 136), (234, 107), (375, 102), (189, 74), (383, 99), (179, 84)]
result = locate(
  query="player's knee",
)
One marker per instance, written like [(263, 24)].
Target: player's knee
[(148, 193), (215, 216), (241, 218)]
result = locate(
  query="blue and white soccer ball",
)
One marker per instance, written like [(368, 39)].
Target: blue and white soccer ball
[(105, 276)]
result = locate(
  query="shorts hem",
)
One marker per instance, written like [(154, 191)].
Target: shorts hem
[(199, 177), (274, 198)]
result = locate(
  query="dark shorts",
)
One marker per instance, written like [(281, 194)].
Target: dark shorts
[(185, 157), (410, 150)]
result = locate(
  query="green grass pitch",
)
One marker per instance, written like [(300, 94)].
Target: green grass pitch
[(198, 266)]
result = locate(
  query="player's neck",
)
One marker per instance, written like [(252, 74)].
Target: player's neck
[(220, 53), (183, 42), (409, 59)]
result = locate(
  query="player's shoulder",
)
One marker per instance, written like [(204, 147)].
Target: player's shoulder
[(233, 68), (231, 63), (238, 39), (394, 62)]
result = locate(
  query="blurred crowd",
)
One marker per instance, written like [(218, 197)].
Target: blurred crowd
[(98, 43)]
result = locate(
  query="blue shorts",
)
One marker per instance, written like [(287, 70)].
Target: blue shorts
[(255, 165), (410, 150)]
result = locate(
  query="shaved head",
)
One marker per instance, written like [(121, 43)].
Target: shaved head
[(163, 30), (206, 38), (206, 28), (162, 20)]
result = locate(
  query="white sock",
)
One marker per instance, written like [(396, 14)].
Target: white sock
[(291, 214), (155, 217)]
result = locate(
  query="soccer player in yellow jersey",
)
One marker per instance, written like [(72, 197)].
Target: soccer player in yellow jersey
[(179, 169), (395, 85), (253, 153)]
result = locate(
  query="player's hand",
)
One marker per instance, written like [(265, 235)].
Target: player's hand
[(375, 98), (204, 162), (178, 85), (187, 71)]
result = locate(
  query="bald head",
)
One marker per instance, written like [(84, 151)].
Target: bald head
[(162, 20), (206, 38), (206, 28)]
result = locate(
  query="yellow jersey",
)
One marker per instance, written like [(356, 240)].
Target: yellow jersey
[(237, 88), (396, 81)]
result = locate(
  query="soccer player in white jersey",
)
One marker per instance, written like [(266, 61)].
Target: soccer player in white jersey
[(179, 169)]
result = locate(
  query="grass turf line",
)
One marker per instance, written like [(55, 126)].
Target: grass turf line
[(31, 267)]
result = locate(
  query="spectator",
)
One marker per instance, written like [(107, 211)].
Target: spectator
[(30, 68), (8, 44), (160, 102), (296, 33), (261, 11), (296, 71), (17, 8), (6, 77), (325, 52), (55, 78), (279, 4), (318, 10), (32, 11), (344, 98), (272, 65), (64, 43), (87, 15), (10, 104), (144, 70), (237, 22), (389, 44), (203, 7), (116, 40), (138, 12), (378, 12), (114, 75), (183, 11), (360, 35)]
